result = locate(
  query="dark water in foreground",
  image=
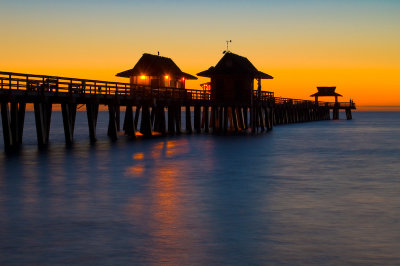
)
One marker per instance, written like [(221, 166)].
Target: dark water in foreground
[(316, 193)]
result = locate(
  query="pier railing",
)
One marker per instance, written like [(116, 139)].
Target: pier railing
[(41, 84)]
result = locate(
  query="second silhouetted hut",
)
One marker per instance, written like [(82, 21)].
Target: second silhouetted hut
[(232, 79)]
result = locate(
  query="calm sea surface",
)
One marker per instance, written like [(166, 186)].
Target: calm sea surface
[(314, 193)]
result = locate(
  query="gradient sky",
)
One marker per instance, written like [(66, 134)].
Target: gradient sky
[(354, 45)]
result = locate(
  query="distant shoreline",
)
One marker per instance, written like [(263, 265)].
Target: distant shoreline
[(369, 108)]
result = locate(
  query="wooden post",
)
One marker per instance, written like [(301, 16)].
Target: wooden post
[(153, 115), (261, 118), (206, 119), (245, 116), (240, 118), (220, 119), (171, 119), (68, 115), (42, 119), (118, 116), (159, 119), (129, 125), (137, 113), (188, 119), (92, 111), (112, 123), (335, 113), (16, 119), (197, 118), (225, 126), (253, 119), (178, 118), (348, 114), (212, 118), (163, 124), (14, 122), (145, 125), (21, 119), (235, 118), (7, 134)]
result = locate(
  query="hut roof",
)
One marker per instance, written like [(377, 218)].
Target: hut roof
[(326, 91), (233, 64), (155, 65)]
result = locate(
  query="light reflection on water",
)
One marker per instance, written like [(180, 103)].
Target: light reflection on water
[(315, 193)]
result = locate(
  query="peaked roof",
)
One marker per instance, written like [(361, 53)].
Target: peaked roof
[(155, 65), (233, 64), (326, 91)]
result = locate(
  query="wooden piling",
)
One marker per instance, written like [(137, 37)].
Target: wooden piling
[(129, 125), (112, 123), (68, 114), (178, 118), (92, 111), (7, 134), (145, 123), (171, 119), (42, 119), (206, 119), (137, 114), (188, 120), (197, 118)]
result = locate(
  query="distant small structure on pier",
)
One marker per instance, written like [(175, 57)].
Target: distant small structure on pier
[(330, 92), (232, 79), (326, 91), (156, 71)]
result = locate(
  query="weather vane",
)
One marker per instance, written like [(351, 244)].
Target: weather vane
[(227, 47)]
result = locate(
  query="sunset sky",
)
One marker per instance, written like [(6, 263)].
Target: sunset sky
[(354, 45)]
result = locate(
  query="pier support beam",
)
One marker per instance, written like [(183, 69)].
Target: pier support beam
[(129, 125), (197, 118), (349, 116), (112, 123), (171, 119), (159, 120), (188, 119), (206, 119), (6, 122), (13, 124), (145, 125), (92, 111), (68, 114), (178, 118), (43, 118), (235, 118), (335, 114), (137, 114)]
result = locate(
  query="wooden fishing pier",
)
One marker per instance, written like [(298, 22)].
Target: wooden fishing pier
[(159, 109)]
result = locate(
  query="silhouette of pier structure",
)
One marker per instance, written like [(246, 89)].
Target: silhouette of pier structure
[(155, 102)]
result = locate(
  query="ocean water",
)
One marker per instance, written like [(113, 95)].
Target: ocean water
[(319, 193)]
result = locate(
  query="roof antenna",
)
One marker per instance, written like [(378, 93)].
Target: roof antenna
[(227, 47)]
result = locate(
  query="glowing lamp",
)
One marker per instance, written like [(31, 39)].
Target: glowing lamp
[(142, 77), (166, 77), (183, 79)]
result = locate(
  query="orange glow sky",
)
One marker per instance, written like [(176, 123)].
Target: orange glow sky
[(351, 44)]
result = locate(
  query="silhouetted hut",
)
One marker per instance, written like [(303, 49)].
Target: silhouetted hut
[(156, 71), (326, 92), (232, 79)]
